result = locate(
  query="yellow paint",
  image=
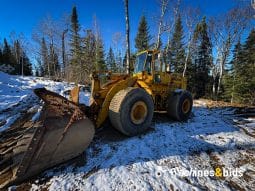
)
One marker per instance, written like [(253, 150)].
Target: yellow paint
[(103, 112), (159, 84)]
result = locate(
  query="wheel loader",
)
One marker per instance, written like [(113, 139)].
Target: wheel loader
[(65, 128)]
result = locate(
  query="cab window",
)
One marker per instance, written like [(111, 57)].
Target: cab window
[(139, 62), (147, 67)]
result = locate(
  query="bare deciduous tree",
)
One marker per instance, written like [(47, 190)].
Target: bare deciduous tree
[(192, 16), (226, 30), (170, 26), (20, 46), (53, 32), (118, 42), (161, 28)]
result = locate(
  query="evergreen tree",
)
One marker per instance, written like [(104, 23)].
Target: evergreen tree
[(75, 37), (239, 81), (202, 58), (6, 52), (142, 38), (100, 64), (177, 50), (56, 64), (27, 66), (110, 61), (89, 54), (191, 76), (37, 72), (247, 71), (8, 59), (75, 47), (232, 78), (1, 56), (18, 53)]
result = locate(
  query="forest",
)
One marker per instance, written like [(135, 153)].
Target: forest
[(215, 53)]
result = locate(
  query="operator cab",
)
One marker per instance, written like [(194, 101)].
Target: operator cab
[(150, 62)]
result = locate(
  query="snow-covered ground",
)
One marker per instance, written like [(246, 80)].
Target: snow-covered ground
[(16, 95), (197, 155)]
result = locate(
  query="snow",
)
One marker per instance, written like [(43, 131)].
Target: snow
[(16, 95), (84, 97), (145, 162), (152, 161)]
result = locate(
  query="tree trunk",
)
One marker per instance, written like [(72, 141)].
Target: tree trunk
[(222, 64), (63, 51), (163, 10), (52, 57), (213, 89), (22, 66), (233, 89), (127, 38), (187, 57), (159, 33)]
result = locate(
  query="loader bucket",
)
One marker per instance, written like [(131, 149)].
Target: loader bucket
[(62, 132)]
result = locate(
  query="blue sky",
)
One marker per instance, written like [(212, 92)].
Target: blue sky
[(22, 16)]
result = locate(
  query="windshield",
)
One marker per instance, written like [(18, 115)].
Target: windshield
[(139, 62)]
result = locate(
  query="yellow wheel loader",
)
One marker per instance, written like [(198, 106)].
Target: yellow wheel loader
[(66, 128)]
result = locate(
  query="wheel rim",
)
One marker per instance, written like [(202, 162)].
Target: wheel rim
[(139, 112), (186, 106)]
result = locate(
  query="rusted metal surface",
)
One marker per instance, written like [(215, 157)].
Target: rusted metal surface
[(62, 132)]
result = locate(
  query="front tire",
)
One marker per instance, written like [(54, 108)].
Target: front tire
[(131, 111), (180, 105)]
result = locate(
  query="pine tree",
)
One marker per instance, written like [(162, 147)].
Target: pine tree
[(18, 53), (6, 52), (239, 81), (232, 78), (75, 47), (1, 56), (110, 61), (8, 59), (191, 76), (75, 37), (177, 50), (100, 64), (27, 66), (142, 38), (202, 58), (247, 88), (89, 54)]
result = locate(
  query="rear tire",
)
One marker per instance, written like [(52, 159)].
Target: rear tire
[(131, 111), (180, 105)]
